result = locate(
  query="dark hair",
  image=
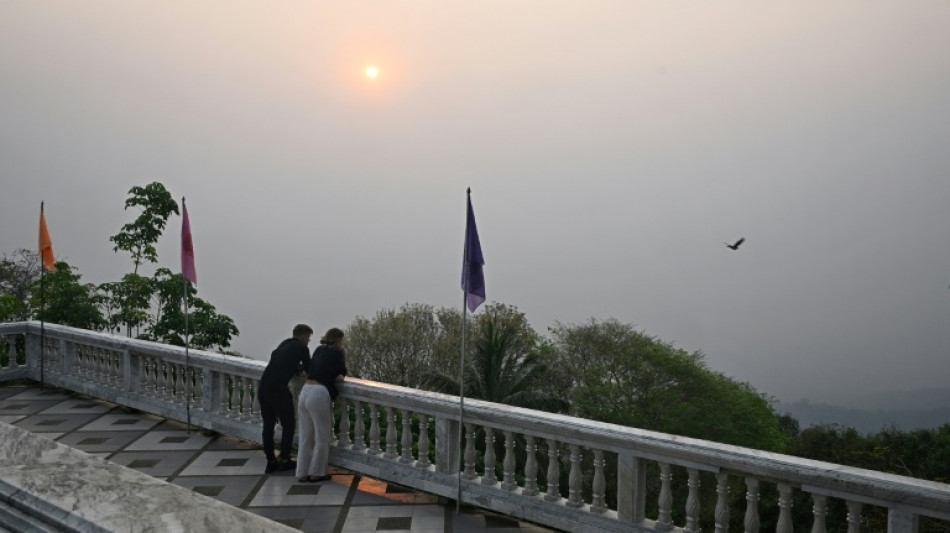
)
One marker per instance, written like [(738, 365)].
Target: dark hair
[(333, 336), (302, 329)]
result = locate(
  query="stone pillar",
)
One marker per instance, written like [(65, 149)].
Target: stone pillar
[(631, 487), (902, 521), (447, 440)]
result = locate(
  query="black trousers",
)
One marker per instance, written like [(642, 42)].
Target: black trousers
[(277, 404)]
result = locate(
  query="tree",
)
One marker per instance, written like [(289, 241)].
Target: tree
[(207, 329), (139, 237), (506, 365), (395, 346), (17, 274), (127, 302), (66, 301), (627, 377)]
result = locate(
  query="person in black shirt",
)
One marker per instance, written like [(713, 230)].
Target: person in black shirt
[(315, 406), (290, 358)]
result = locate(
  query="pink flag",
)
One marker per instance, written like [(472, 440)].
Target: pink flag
[(187, 248)]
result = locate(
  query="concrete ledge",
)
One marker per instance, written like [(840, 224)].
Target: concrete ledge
[(75, 491)]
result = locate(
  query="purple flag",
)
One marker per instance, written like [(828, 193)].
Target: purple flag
[(473, 279), (187, 248)]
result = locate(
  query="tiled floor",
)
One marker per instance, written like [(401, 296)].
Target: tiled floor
[(232, 471)]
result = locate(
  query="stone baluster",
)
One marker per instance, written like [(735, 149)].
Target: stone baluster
[(197, 390), (374, 429), (226, 388), (344, 440), (116, 379), (359, 441), (406, 441), (88, 363), (165, 375), (180, 380), (105, 366), (530, 468), (469, 454), (391, 434), (692, 502), (247, 403), (508, 464), (819, 510), (332, 422), (423, 461), (785, 509), (664, 521), (752, 505), (489, 476), (102, 365), (598, 503), (155, 384), (574, 479), (722, 503), (854, 517), (90, 352), (554, 472), (143, 374)]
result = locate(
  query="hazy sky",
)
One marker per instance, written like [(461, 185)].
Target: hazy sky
[(611, 148)]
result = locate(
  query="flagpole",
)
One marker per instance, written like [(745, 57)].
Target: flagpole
[(461, 466), (187, 362), (184, 281), (42, 309)]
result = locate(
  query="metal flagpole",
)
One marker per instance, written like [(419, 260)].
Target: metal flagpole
[(42, 322), (187, 367), (461, 465), (42, 309)]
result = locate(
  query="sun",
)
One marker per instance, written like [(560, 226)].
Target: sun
[(371, 72)]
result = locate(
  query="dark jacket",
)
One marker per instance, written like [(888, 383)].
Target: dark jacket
[(289, 358), (326, 365)]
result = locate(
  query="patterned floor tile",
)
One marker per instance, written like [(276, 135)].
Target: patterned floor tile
[(36, 393), (99, 441), (227, 463), (122, 422), (79, 406), (232, 490), (156, 464), (25, 406), (54, 423), (287, 491), (169, 440)]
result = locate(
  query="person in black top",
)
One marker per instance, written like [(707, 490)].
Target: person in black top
[(315, 406), (290, 358)]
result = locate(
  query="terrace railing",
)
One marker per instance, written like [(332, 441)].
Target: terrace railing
[(548, 468)]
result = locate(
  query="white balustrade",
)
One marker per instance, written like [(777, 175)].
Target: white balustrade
[(221, 392)]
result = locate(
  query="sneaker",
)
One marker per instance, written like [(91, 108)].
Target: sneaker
[(271, 467), (286, 465)]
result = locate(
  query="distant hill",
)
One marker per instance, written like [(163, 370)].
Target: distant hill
[(906, 410)]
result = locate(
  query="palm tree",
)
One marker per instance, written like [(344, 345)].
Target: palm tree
[(505, 365)]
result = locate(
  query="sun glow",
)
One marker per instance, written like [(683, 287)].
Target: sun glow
[(371, 72)]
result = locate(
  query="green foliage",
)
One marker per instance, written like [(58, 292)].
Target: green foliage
[(506, 365), (627, 377), (17, 274), (63, 300), (127, 302), (395, 346), (207, 329), (139, 237)]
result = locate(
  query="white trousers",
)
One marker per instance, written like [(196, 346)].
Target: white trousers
[(315, 415)]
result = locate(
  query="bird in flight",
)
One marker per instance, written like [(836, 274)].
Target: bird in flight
[(736, 245)]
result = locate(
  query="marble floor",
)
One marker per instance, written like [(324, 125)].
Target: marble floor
[(232, 470)]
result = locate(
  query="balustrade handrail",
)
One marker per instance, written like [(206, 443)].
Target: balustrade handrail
[(917, 496)]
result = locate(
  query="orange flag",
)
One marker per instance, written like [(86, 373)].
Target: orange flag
[(46, 245)]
